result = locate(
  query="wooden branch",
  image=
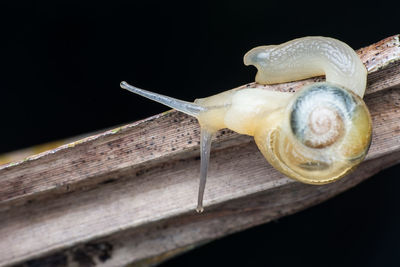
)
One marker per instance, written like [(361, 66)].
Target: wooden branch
[(128, 195)]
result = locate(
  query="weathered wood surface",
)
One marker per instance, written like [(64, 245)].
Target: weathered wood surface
[(129, 194)]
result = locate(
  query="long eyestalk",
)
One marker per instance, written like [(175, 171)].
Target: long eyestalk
[(192, 110), (182, 106)]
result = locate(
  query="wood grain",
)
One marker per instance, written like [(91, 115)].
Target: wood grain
[(128, 195)]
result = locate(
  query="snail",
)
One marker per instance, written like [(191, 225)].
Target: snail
[(316, 135)]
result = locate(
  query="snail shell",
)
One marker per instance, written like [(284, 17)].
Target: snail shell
[(323, 133), (316, 135)]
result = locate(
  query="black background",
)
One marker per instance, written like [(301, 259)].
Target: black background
[(61, 63)]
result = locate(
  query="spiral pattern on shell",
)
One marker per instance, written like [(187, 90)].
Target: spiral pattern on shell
[(319, 115), (324, 133)]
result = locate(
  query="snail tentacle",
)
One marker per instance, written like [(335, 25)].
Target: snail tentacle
[(183, 106), (205, 147), (207, 131)]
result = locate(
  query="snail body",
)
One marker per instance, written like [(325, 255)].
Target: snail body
[(309, 57), (316, 135)]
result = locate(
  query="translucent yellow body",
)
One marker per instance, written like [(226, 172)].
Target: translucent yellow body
[(316, 135)]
